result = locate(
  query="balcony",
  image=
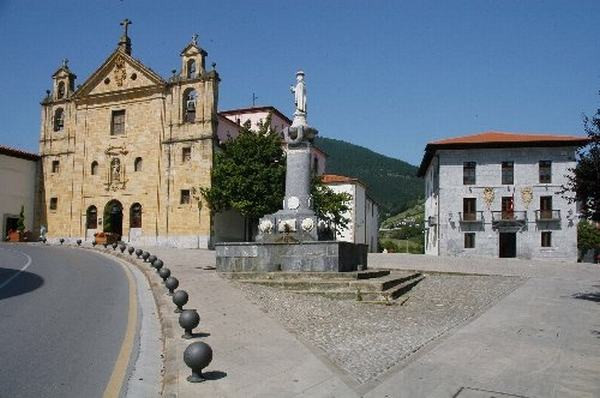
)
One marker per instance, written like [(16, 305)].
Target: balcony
[(547, 215), (471, 217), (509, 218)]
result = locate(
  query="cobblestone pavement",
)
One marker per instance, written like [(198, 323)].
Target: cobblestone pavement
[(365, 340)]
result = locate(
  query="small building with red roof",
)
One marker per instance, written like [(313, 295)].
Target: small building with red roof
[(497, 194)]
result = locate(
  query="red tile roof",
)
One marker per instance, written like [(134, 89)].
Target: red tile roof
[(336, 178), (18, 153), (499, 139), (256, 109)]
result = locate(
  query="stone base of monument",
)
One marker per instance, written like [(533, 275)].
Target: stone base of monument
[(311, 256)]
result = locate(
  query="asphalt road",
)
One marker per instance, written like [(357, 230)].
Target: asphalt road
[(62, 321)]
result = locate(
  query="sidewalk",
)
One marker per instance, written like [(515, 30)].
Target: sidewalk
[(540, 341)]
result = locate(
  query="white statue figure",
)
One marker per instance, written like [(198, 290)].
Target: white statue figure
[(299, 92), (116, 169)]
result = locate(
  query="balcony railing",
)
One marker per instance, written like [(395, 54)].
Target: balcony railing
[(509, 217), (547, 215), (471, 217)]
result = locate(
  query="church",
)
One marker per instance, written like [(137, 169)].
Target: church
[(127, 151)]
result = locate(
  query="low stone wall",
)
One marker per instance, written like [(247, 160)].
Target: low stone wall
[(317, 256)]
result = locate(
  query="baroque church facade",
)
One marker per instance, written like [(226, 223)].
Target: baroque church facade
[(127, 151)]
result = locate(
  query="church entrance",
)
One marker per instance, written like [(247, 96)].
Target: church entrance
[(113, 218)]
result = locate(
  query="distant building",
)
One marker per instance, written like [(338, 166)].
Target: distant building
[(495, 194), (19, 171), (228, 120), (363, 214)]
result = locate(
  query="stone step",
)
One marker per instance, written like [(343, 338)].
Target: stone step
[(383, 283), (306, 275), (301, 284), (403, 288)]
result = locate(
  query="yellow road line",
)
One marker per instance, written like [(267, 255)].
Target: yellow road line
[(117, 378)]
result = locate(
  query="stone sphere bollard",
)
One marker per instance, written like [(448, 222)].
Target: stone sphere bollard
[(122, 247), (44, 240), (197, 356), (114, 245), (188, 320), (139, 253), (158, 264), (62, 240), (145, 256), (130, 249), (105, 245), (152, 259), (94, 243), (171, 283), (164, 273), (78, 242), (180, 298)]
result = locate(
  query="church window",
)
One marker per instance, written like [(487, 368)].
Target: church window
[(59, 120), (137, 164), (185, 197), (117, 125), (191, 69), (94, 168), (189, 106), (55, 166), (91, 218), (135, 216), (61, 90), (133, 76), (186, 154), (53, 203)]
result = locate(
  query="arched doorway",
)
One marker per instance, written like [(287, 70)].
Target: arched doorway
[(113, 218)]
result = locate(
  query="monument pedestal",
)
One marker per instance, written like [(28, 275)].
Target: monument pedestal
[(309, 256)]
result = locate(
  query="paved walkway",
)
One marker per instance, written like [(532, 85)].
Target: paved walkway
[(540, 341)]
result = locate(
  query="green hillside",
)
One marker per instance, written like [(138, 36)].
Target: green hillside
[(392, 182), (415, 214)]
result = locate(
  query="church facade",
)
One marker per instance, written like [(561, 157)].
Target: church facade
[(127, 151)]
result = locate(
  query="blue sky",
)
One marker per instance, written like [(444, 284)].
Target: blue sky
[(387, 75)]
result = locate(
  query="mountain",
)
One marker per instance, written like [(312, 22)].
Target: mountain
[(393, 183)]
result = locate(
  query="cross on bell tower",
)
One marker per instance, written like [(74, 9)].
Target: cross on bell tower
[(125, 41)]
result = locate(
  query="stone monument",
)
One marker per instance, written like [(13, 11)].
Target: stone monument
[(287, 239)]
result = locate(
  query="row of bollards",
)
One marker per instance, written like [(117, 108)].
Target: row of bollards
[(197, 355)]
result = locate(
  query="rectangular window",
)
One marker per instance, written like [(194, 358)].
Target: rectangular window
[(546, 207), (470, 240), (469, 209), (545, 171), (546, 239), (55, 166), (508, 174), (117, 124), (469, 173), (186, 154), (508, 208), (185, 197), (53, 203)]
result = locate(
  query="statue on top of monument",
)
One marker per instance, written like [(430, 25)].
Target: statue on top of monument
[(299, 92)]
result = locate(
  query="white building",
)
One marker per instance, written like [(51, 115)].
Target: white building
[(363, 213), (496, 194), (18, 179)]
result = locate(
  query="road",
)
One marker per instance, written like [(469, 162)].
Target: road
[(63, 319)]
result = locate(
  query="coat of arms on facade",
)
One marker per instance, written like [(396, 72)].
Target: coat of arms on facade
[(120, 72), (527, 196), (488, 196)]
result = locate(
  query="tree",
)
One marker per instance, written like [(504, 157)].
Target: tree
[(249, 174), (330, 207), (588, 237), (21, 220), (583, 183)]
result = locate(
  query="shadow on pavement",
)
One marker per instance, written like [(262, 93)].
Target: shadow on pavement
[(588, 296), (214, 375), (23, 283)]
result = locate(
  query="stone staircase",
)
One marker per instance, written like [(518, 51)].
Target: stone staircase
[(371, 286)]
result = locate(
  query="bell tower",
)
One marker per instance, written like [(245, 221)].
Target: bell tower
[(192, 60), (63, 82)]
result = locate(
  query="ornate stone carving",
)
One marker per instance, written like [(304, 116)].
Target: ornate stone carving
[(265, 226), (527, 196), (308, 224), (288, 225), (293, 203), (120, 72), (116, 150), (488, 196)]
